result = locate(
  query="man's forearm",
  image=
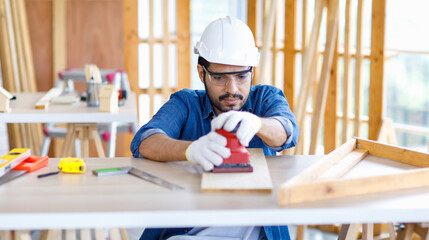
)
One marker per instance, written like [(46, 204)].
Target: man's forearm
[(272, 132), (161, 147)]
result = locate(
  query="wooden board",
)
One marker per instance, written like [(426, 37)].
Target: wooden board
[(321, 180), (257, 181)]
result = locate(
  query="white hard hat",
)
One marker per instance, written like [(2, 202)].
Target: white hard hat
[(228, 41)]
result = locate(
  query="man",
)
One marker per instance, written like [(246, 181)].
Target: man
[(185, 124)]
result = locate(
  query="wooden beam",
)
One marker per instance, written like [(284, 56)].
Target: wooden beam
[(183, 43), (59, 14), (267, 36), (398, 154), (166, 53), (377, 68), (5, 54), (309, 67), (347, 72), (358, 69), (310, 58), (12, 45), (322, 91), (330, 135), (289, 51)]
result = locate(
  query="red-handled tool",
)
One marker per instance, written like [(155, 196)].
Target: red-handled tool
[(239, 161), (30, 164)]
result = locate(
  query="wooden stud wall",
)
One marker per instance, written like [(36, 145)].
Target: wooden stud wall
[(181, 40), (269, 44)]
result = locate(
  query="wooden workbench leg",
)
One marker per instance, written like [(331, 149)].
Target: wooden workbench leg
[(99, 234), (6, 235), (85, 234), (124, 233), (349, 232), (407, 232), (84, 138), (22, 235), (69, 141), (392, 232), (114, 234), (97, 141), (367, 231), (54, 234), (300, 231), (70, 234)]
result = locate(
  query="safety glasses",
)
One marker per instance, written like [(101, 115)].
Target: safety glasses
[(222, 79)]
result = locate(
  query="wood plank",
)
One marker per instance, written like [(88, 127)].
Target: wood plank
[(367, 231), (289, 51), (330, 135), (342, 167), (131, 39), (252, 18), (395, 153), (12, 45), (43, 102), (309, 64), (257, 181), (5, 54), (267, 37), (19, 49), (322, 91), (26, 45), (59, 13), (347, 72), (183, 44), (165, 54), (359, 69), (357, 186), (377, 68), (114, 234), (85, 234), (70, 234), (314, 171), (349, 231)]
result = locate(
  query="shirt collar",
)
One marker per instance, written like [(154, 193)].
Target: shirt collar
[(208, 110)]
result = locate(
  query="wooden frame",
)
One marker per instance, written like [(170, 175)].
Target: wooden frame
[(320, 181)]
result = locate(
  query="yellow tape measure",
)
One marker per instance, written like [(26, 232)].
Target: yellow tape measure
[(72, 165)]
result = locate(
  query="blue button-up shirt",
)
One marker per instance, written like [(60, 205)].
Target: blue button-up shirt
[(188, 114)]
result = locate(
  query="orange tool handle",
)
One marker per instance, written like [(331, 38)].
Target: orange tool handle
[(33, 163)]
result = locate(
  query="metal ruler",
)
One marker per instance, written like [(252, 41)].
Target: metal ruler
[(153, 179)]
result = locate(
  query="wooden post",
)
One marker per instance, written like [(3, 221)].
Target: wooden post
[(267, 37), (131, 42), (165, 45), (310, 58), (330, 141), (377, 68), (183, 44), (322, 91), (347, 72), (289, 52), (358, 68), (59, 14)]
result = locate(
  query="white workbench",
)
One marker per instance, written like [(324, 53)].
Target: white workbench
[(69, 201), (23, 111)]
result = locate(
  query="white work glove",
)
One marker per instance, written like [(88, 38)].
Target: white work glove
[(208, 150), (249, 124)]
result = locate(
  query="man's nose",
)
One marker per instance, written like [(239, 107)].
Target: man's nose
[(231, 86)]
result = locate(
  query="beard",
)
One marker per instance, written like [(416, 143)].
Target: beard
[(216, 102)]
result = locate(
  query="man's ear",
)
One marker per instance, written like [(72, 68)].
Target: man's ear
[(200, 72)]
